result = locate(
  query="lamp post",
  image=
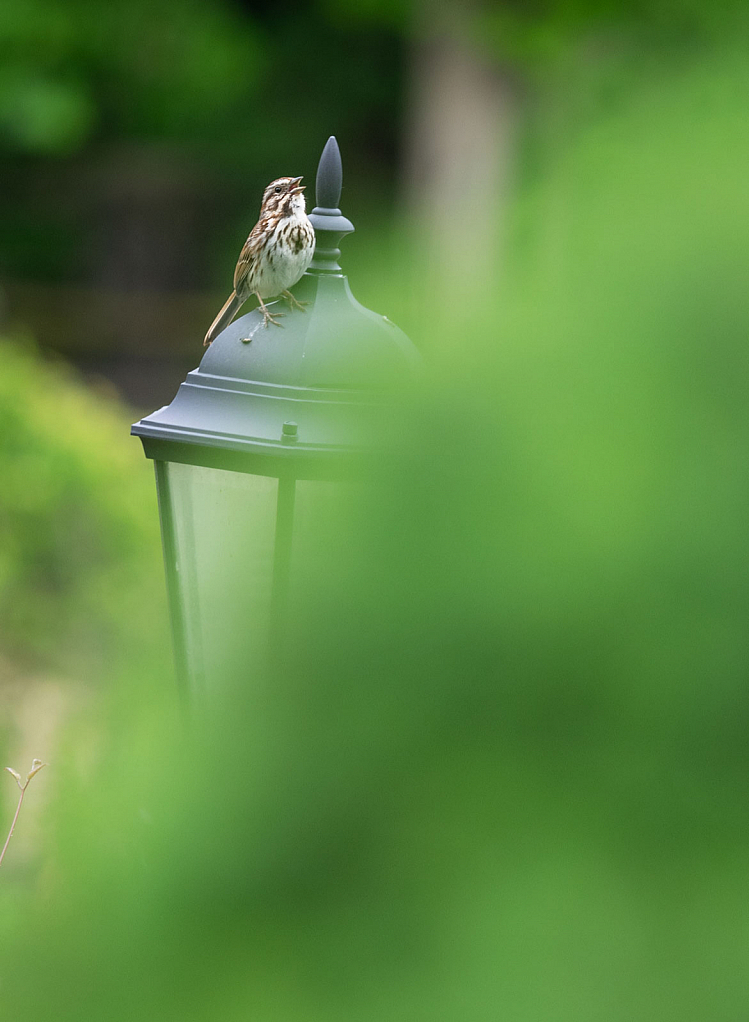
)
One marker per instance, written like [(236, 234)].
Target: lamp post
[(256, 433)]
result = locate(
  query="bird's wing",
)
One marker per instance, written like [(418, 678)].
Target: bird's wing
[(243, 272)]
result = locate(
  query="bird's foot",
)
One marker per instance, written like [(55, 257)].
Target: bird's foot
[(272, 318), (293, 302), (268, 317)]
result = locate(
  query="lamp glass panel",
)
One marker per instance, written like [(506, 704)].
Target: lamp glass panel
[(223, 528)]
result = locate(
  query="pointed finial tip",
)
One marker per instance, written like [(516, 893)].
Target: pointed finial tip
[(329, 175)]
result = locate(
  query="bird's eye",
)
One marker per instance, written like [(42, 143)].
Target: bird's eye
[(277, 188)]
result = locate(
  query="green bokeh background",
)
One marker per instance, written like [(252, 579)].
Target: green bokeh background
[(500, 771)]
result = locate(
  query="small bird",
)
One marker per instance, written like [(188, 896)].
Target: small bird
[(276, 254)]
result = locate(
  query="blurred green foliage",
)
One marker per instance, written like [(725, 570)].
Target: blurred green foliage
[(533, 35), (80, 580), (215, 71), (500, 770), (83, 70), (200, 72)]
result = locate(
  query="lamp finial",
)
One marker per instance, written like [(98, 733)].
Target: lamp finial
[(329, 223)]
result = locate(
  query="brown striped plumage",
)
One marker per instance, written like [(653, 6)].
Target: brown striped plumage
[(276, 254)]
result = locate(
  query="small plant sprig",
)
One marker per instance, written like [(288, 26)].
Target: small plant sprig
[(36, 766)]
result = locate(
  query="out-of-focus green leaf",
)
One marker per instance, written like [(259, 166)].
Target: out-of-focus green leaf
[(80, 580), (43, 116)]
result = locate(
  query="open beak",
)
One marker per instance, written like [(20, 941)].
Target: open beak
[(296, 188)]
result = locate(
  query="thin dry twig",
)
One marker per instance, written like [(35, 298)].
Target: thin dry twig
[(36, 766)]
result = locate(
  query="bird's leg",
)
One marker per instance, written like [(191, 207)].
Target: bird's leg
[(294, 303), (267, 316)]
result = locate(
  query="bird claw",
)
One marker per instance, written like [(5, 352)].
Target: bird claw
[(293, 302), (272, 318)]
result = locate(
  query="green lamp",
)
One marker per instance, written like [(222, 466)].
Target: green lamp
[(255, 437)]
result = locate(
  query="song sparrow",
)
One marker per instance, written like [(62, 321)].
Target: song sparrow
[(276, 254)]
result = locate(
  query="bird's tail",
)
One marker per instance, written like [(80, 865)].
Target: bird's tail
[(224, 318)]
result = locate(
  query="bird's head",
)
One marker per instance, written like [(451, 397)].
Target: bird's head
[(284, 196)]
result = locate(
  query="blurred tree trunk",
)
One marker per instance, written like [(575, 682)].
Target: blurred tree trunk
[(459, 145)]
